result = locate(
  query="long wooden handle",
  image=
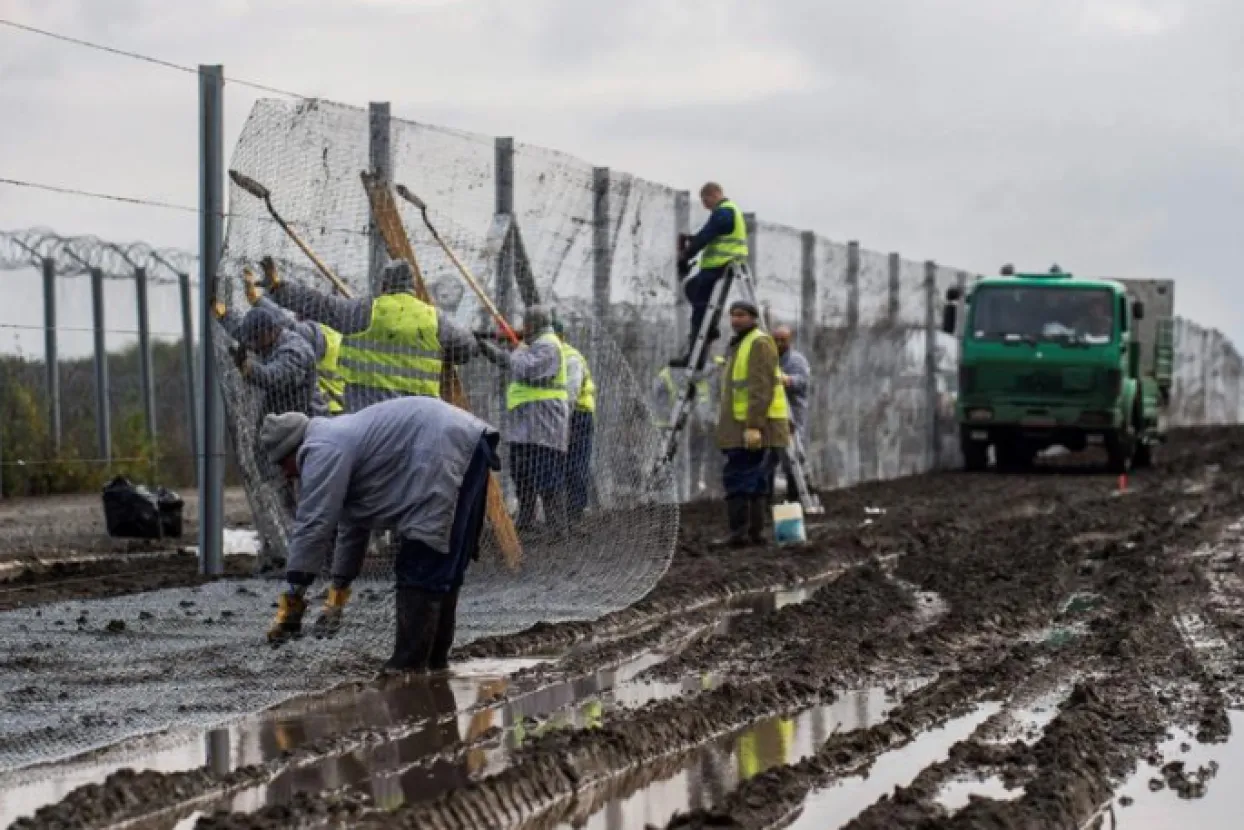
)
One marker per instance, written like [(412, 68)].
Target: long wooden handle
[(341, 287), (479, 292)]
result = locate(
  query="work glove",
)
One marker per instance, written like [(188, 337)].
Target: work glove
[(328, 623), (684, 267), (271, 279), (288, 621), (220, 310), (253, 295), (752, 438)]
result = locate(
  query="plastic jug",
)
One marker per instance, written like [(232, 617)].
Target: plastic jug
[(788, 523)]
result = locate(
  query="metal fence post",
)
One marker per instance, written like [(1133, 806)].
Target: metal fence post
[(188, 370), (930, 363), (751, 223), (103, 417), (807, 283), (504, 180), (682, 225), (51, 352), (211, 238), (602, 250), (895, 289), (853, 286), (380, 154), (145, 373)]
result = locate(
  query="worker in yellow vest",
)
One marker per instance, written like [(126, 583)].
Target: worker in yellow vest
[(722, 240), (329, 398), (389, 346), (752, 424), (392, 345), (581, 391), (537, 419)]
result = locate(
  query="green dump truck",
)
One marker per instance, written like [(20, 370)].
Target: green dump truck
[(1052, 359)]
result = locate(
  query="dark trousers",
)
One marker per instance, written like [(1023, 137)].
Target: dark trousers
[(748, 472), (538, 472), (579, 462), (699, 291), (418, 565)]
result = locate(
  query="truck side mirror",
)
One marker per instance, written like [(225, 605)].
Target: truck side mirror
[(949, 318), (953, 294), (1138, 310)]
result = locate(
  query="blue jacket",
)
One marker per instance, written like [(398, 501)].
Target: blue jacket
[(720, 222)]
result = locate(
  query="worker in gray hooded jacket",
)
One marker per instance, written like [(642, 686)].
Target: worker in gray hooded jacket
[(417, 465), (537, 422)]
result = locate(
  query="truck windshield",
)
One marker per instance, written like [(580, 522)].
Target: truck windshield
[(1031, 314)]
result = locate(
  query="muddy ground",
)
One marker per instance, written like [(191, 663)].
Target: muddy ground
[(1029, 650)]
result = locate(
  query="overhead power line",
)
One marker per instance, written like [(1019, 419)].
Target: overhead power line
[(112, 50)]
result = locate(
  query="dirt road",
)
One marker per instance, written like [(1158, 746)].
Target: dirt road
[(994, 651)]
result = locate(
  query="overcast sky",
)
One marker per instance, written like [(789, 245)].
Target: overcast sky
[(1102, 135)]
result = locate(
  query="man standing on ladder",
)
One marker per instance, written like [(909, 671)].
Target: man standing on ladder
[(753, 423), (722, 240)]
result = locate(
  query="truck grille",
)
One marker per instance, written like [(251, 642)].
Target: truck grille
[(1036, 384)]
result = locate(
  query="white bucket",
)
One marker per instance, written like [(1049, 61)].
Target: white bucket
[(788, 523)]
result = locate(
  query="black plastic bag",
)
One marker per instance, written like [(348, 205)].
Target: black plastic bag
[(132, 511)]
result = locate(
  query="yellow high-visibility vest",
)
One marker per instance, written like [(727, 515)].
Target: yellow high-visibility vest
[(400, 351), (332, 384), (778, 409), (586, 402), (728, 247), (520, 392)]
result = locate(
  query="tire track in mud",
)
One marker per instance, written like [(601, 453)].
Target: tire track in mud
[(982, 521), (1132, 562)]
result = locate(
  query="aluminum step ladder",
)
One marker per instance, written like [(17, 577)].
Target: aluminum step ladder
[(736, 272)]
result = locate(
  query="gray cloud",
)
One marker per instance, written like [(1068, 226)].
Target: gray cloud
[(1105, 136)]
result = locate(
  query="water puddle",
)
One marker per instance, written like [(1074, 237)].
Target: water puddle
[(261, 738), (847, 798), (957, 794), (425, 756), (1202, 794), (713, 771)]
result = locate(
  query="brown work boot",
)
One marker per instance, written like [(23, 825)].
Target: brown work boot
[(328, 623), (288, 621)]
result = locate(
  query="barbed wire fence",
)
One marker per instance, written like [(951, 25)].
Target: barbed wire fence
[(55, 398)]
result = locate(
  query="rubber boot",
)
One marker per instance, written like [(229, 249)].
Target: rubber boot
[(288, 621), (444, 640), (736, 518), (526, 510), (757, 510), (556, 505), (418, 614), (328, 623)]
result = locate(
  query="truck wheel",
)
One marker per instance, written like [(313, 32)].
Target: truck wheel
[(975, 456), (1013, 457), (1120, 449)]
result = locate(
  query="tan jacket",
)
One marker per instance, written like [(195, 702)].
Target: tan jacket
[(761, 379)]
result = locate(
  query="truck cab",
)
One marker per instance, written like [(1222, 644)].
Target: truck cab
[(1049, 359)]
